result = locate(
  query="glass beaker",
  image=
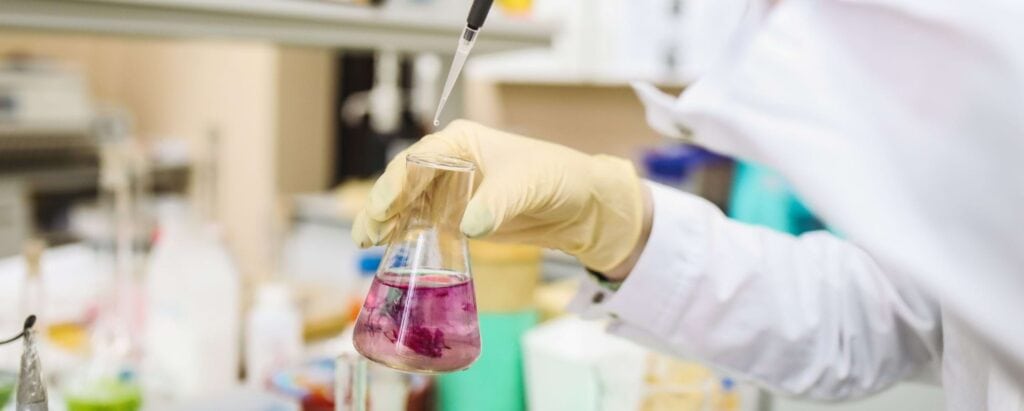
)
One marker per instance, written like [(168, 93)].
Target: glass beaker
[(420, 313)]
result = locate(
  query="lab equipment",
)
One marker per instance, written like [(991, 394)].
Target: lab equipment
[(384, 100), (273, 336), (674, 385), (365, 386), (516, 7), (350, 379), (420, 314), (192, 327), (31, 391), (501, 365), (572, 364), (316, 260), (40, 93), (113, 393), (8, 380), (761, 196), (691, 169), (369, 261), (311, 384), (728, 398), (34, 297), (115, 336), (440, 336), (106, 381), (477, 14)]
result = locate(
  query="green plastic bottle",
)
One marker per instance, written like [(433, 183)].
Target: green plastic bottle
[(7, 383)]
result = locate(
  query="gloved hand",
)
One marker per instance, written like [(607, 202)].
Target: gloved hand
[(528, 191)]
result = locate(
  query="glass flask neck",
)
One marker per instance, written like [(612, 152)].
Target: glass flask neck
[(428, 237)]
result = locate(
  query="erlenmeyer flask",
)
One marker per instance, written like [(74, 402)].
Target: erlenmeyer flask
[(420, 312)]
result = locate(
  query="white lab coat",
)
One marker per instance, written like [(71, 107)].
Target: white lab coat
[(900, 123)]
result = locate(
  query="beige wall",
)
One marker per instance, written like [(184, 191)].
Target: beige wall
[(593, 119), (270, 108), (305, 85)]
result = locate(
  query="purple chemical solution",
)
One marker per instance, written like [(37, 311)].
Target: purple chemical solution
[(424, 323)]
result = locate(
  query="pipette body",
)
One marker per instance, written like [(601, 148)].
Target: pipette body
[(477, 16), (466, 42)]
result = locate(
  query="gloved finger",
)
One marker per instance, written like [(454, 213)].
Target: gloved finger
[(494, 203), (380, 231), (359, 234), (390, 194), (526, 229), (386, 189), (368, 232)]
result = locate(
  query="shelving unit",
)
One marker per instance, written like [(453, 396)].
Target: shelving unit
[(296, 22)]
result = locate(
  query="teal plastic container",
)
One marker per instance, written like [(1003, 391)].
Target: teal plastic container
[(763, 197), (495, 381)]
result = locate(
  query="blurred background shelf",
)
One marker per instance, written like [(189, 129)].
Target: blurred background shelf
[(546, 67), (9, 131), (293, 22)]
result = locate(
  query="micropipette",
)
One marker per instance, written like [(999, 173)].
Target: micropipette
[(477, 15)]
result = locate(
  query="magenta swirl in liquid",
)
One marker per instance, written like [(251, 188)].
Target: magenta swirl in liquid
[(421, 323)]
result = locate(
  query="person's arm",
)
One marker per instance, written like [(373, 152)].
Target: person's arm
[(899, 123), (810, 316)]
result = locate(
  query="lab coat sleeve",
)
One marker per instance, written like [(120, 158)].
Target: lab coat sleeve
[(898, 122), (809, 316)]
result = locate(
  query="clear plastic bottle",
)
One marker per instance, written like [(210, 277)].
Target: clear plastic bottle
[(273, 335), (420, 313)]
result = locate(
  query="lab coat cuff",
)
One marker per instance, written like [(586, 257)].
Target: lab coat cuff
[(650, 297)]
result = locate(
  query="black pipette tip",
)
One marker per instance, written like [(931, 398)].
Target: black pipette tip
[(30, 321)]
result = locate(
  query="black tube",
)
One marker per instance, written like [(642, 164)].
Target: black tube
[(29, 322), (478, 13)]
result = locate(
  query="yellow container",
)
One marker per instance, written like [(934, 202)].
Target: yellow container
[(505, 276), (674, 385), (516, 7)]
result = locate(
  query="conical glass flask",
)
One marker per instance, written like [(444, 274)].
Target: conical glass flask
[(420, 313)]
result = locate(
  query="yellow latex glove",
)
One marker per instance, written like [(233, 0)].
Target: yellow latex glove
[(527, 191)]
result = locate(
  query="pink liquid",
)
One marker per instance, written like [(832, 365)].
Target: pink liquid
[(426, 323)]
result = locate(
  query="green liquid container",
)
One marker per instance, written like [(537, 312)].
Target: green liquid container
[(8, 380), (105, 395)]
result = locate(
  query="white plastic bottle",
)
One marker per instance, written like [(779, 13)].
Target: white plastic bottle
[(193, 315), (273, 338)]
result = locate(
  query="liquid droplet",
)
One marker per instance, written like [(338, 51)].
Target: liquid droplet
[(437, 123)]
